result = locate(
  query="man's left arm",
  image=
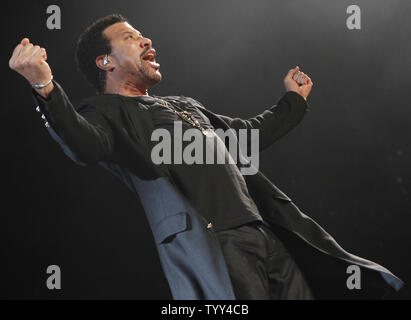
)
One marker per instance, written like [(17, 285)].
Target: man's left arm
[(281, 118)]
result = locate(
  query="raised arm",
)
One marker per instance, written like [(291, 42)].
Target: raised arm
[(279, 119), (83, 134)]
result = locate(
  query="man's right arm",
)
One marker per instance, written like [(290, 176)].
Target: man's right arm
[(84, 134)]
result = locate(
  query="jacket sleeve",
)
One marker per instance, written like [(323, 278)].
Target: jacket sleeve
[(84, 134), (274, 122)]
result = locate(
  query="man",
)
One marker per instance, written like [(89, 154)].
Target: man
[(219, 234)]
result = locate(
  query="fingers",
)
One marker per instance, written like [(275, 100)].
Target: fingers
[(308, 84), (44, 53), (291, 72), (17, 50), (20, 46), (26, 54), (16, 53), (25, 41), (301, 78), (307, 80), (296, 75), (34, 53)]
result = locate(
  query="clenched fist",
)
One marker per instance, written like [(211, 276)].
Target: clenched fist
[(30, 61), (298, 81)]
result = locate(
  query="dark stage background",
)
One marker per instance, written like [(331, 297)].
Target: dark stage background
[(347, 164)]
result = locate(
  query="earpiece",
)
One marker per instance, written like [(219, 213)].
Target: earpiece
[(105, 61)]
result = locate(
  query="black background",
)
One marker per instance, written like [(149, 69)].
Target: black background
[(347, 164)]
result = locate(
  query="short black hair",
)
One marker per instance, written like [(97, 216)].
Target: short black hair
[(91, 44)]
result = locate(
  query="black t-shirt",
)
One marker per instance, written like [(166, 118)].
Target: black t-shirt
[(218, 191)]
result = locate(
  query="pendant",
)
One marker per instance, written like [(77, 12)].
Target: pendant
[(205, 132)]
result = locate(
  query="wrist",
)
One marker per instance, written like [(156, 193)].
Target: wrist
[(45, 91), (42, 85)]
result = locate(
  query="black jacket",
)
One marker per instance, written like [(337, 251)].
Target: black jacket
[(105, 130)]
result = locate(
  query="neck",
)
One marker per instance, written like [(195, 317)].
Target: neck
[(125, 88)]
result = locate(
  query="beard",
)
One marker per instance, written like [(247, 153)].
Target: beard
[(149, 74)]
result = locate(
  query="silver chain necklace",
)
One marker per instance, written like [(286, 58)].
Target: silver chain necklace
[(186, 116)]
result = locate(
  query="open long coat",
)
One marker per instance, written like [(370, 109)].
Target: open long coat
[(109, 131)]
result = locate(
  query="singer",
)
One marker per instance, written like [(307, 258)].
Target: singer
[(219, 234)]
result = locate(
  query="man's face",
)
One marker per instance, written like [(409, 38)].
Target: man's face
[(133, 54)]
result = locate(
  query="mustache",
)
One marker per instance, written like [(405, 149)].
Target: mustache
[(144, 52)]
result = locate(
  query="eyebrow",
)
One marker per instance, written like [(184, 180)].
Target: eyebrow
[(131, 32)]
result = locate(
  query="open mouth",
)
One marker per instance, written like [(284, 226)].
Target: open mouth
[(150, 58)]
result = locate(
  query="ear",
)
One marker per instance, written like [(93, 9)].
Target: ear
[(100, 63)]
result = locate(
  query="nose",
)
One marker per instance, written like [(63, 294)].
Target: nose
[(146, 42)]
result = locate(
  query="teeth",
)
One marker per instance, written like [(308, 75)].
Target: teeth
[(149, 56)]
